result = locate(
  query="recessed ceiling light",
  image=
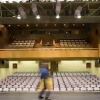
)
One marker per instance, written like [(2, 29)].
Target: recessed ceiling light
[(9, 25), (64, 24), (45, 24), (18, 25), (27, 25), (73, 24), (83, 24), (55, 24), (36, 24)]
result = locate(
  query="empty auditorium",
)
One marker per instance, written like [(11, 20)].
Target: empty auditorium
[(63, 35)]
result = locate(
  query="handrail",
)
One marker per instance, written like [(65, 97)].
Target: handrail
[(38, 49)]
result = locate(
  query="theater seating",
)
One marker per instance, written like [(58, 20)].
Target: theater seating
[(62, 81), (23, 43), (20, 81), (75, 81), (80, 42)]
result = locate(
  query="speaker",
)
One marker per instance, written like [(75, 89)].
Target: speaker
[(96, 32), (1, 33), (2, 62)]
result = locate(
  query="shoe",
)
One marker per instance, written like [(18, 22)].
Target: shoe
[(40, 97), (47, 98)]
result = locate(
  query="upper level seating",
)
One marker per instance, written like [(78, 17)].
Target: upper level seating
[(73, 42), (23, 43)]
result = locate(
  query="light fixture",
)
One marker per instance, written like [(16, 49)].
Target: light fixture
[(9, 25), (64, 24), (57, 16), (36, 24), (73, 24), (78, 16), (18, 25), (58, 9), (55, 24), (78, 12), (45, 24), (18, 17), (27, 25), (38, 16)]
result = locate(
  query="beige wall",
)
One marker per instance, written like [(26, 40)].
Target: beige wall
[(33, 66), (78, 65), (22, 66)]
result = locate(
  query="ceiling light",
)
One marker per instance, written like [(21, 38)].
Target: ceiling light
[(27, 25), (73, 24), (36, 24), (18, 25), (18, 17), (9, 25), (55, 24), (64, 24), (38, 16), (57, 16)]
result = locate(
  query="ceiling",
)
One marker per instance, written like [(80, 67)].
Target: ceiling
[(90, 13)]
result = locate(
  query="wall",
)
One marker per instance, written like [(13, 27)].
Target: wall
[(66, 65), (4, 37), (78, 65), (22, 66), (93, 36), (49, 54)]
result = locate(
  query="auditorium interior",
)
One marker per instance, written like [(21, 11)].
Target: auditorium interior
[(69, 45)]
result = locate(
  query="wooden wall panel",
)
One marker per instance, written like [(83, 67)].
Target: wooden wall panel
[(60, 54)]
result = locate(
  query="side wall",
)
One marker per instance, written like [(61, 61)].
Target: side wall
[(78, 65), (22, 66), (33, 66)]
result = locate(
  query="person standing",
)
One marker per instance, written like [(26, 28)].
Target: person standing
[(44, 76)]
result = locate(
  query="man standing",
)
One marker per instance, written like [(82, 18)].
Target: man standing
[(44, 75)]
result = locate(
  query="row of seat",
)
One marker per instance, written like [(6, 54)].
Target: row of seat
[(28, 43), (73, 42), (75, 81), (62, 81)]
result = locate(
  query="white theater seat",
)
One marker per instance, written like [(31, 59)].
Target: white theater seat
[(63, 89), (32, 89), (12, 89), (19, 89), (9, 86), (56, 89), (98, 85), (83, 89), (96, 88), (69, 89), (0, 89), (93, 85), (90, 89), (4, 86), (76, 89), (25, 89), (5, 89)]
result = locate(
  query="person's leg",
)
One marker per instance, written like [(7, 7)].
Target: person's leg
[(43, 90), (47, 95)]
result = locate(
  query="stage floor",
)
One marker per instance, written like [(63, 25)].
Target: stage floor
[(53, 96)]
